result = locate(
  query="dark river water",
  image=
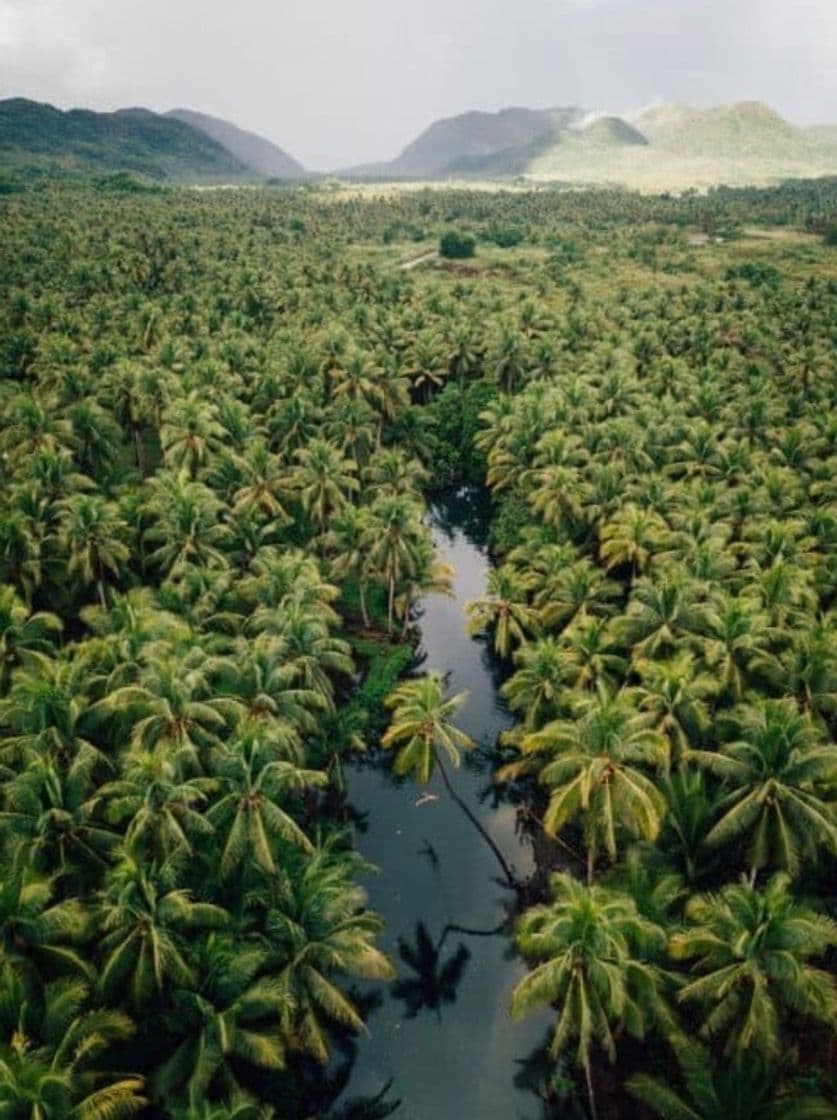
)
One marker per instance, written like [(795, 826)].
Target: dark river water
[(442, 1035)]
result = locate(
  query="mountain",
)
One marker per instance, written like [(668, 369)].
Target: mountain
[(253, 151), (569, 132), (749, 128), (135, 140), (674, 147), (472, 136)]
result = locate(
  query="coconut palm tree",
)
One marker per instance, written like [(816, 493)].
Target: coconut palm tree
[(631, 538), (745, 1089), (675, 694), (749, 951), (93, 537), (595, 767), (778, 774), (144, 941), (318, 930), (593, 956), (505, 609), (54, 1063), (541, 681), (394, 528), (325, 480), (248, 814), (22, 632), (232, 1022), (421, 731), (189, 433)]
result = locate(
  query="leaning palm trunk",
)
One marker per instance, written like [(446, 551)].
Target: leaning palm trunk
[(511, 881)]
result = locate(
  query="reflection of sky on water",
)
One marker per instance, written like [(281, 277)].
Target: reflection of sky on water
[(434, 868)]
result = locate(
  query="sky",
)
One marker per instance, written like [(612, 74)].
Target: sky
[(337, 82)]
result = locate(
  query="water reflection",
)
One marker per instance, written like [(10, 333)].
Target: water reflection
[(435, 980), (443, 1038)]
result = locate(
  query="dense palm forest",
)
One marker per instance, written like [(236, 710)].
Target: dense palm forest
[(222, 413)]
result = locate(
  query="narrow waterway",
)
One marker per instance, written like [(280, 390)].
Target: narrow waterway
[(442, 1035)]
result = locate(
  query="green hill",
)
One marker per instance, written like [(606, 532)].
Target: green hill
[(466, 139), (749, 128), (674, 147), (136, 140), (256, 153)]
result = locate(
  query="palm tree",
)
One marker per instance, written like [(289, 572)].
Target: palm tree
[(38, 928), (22, 632), (170, 710), (750, 949), (144, 926), (247, 813), (735, 636), (675, 694), (232, 1020), (189, 433), (779, 775), (745, 1089), (319, 930), (346, 541), (54, 1063), (545, 668), (593, 956), (325, 480), (264, 483), (162, 814), (505, 609), (394, 527), (594, 767), (589, 643), (632, 537), (185, 524), (92, 535), (662, 615), (45, 808), (420, 728)]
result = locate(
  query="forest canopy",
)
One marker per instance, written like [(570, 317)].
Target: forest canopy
[(221, 414)]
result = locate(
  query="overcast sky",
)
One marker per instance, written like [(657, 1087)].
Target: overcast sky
[(342, 81)]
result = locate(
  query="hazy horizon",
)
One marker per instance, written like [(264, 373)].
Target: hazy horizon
[(341, 84)]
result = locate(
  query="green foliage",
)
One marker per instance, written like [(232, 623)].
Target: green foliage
[(456, 244), (213, 446)]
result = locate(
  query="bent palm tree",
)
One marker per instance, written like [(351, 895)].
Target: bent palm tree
[(419, 729)]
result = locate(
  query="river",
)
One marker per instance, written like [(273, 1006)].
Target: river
[(442, 1034)]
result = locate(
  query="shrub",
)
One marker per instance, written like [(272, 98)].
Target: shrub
[(457, 244)]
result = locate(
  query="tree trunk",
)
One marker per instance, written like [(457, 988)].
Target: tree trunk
[(512, 882), (591, 862), (390, 604), (591, 1096), (406, 627), (363, 610), (138, 451)]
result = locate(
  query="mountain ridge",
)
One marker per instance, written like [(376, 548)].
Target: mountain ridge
[(251, 149), (161, 146)]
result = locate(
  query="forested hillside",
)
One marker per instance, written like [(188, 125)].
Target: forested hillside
[(220, 416)]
